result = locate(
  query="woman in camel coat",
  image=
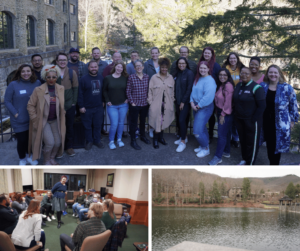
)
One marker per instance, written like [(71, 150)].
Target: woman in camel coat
[(47, 117), (161, 101)]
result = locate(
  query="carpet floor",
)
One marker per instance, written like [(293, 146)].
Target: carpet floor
[(135, 233)]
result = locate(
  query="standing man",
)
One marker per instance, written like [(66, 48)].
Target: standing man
[(116, 57), (130, 67), (184, 52), (96, 55), (37, 64), (69, 81), (91, 105), (75, 64)]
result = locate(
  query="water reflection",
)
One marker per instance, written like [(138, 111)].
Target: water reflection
[(248, 228)]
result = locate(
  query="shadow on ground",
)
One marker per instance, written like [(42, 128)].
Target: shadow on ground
[(165, 155)]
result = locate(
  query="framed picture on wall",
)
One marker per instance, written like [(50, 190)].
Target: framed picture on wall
[(110, 180)]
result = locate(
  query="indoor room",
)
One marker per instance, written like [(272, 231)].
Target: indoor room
[(82, 195)]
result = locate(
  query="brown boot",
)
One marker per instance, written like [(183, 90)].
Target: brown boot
[(47, 161), (53, 154)]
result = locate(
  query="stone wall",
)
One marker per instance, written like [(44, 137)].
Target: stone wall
[(11, 59)]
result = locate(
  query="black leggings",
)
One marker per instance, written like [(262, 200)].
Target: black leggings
[(22, 144), (182, 119), (47, 209), (58, 214)]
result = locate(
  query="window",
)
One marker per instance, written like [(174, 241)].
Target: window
[(73, 36), (30, 31), (6, 31), (65, 33), (72, 9), (64, 6), (74, 182), (49, 2), (49, 32)]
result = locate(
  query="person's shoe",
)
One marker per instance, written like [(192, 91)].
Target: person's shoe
[(226, 155), (73, 215), (155, 141), (161, 139), (53, 217), (151, 130), (112, 145), (215, 161), (120, 143), (181, 147), (30, 161), (99, 145), (196, 150), (58, 225), (135, 145), (204, 152), (88, 146), (77, 216), (64, 213), (145, 140), (59, 156), (43, 224), (61, 222), (44, 216), (23, 162), (104, 133), (48, 219), (177, 142), (236, 144), (70, 152), (242, 163)]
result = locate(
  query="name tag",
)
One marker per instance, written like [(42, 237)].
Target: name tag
[(22, 91), (247, 92)]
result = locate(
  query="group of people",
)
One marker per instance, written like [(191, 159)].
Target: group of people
[(23, 219), (250, 107)]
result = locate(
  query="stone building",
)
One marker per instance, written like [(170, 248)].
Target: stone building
[(34, 26), (234, 191)]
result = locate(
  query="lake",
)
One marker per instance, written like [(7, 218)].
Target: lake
[(248, 228)]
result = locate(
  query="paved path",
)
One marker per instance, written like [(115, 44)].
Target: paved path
[(165, 155)]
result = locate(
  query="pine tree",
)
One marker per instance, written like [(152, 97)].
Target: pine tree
[(202, 191), (215, 193), (265, 28), (246, 189), (290, 190)]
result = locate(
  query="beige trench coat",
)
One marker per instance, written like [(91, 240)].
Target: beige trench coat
[(155, 95), (38, 108)]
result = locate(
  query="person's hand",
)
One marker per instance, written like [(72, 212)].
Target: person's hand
[(66, 192), (181, 106), (109, 103), (222, 120), (133, 104), (292, 124), (82, 110), (126, 101), (39, 243), (23, 198), (79, 204), (193, 106), (72, 235), (16, 115)]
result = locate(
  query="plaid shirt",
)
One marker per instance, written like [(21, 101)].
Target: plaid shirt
[(91, 227), (137, 90), (81, 69)]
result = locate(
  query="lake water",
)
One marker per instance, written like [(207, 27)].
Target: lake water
[(248, 228)]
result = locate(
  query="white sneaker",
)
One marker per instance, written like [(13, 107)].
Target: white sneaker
[(53, 217), (151, 130), (204, 152), (77, 216), (181, 147), (177, 142), (112, 145), (44, 216), (198, 149), (42, 230), (22, 162), (30, 161), (48, 219), (242, 163), (73, 215), (120, 143)]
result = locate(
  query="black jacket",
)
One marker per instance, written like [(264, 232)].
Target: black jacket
[(149, 68), (186, 83), (8, 217), (28, 199)]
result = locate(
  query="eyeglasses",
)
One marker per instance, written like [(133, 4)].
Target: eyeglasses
[(53, 77), (62, 60)]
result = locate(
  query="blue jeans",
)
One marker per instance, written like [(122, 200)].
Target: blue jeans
[(92, 120), (33, 242), (201, 118), (224, 134), (117, 115), (82, 212), (76, 208)]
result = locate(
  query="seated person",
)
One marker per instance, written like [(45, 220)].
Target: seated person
[(19, 203), (46, 206), (92, 226), (96, 199), (8, 216), (28, 197), (79, 202), (109, 217), (87, 201), (28, 232)]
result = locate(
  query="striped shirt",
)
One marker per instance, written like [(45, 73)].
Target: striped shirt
[(137, 90), (91, 227)]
